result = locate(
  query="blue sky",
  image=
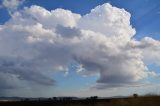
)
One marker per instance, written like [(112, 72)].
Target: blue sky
[(145, 18)]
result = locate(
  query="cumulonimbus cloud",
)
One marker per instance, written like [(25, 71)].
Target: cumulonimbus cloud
[(36, 42)]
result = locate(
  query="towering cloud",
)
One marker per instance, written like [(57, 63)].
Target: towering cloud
[(35, 43)]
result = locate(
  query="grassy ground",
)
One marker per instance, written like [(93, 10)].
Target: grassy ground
[(138, 101)]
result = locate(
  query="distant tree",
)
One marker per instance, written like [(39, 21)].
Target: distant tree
[(49, 99), (54, 98), (135, 95), (93, 100), (94, 97), (66, 98), (26, 99), (87, 98)]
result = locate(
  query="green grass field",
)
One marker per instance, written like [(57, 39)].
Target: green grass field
[(130, 101)]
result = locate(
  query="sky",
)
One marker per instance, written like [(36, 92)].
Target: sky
[(79, 47)]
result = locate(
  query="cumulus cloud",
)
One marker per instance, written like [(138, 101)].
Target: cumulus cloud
[(12, 5), (151, 50), (35, 43), (108, 20)]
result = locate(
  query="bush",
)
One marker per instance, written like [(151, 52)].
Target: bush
[(135, 95)]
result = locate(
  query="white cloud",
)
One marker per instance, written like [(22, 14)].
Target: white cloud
[(108, 20), (36, 42), (151, 50), (52, 18), (12, 5)]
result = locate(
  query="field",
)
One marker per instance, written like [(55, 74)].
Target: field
[(130, 101)]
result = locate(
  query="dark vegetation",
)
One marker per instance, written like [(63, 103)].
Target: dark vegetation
[(135, 100)]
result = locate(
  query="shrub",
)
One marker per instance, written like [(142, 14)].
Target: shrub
[(135, 95)]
